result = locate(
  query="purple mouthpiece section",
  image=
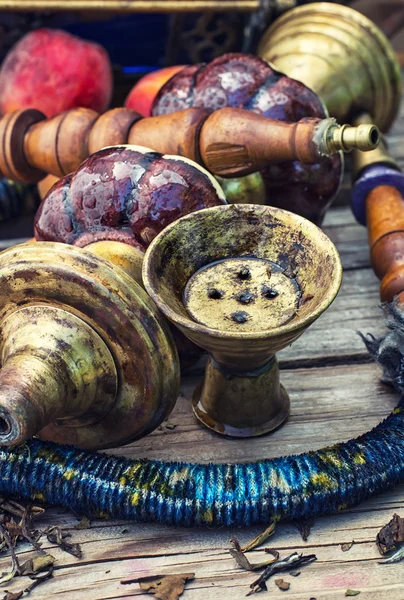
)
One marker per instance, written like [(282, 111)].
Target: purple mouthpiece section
[(373, 177)]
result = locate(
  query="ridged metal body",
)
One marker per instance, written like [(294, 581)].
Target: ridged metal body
[(342, 56)]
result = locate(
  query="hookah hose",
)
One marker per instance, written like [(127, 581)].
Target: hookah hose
[(292, 487)]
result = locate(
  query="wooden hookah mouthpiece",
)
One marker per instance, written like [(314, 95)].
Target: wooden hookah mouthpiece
[(229, 142), (378, 202)]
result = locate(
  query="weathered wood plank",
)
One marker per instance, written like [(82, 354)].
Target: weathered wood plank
[(333, 337), (111, 554), (328, 405)]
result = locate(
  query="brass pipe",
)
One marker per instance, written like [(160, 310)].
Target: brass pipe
[(379, 155)]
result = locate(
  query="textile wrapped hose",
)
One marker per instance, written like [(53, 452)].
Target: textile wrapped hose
[(292, 487)]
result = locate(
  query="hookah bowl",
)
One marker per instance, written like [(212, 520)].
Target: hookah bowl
[(340, 54), (242, 282)]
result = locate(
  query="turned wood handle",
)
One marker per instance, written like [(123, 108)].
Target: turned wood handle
[(235, 142), (385, 219), (230, 142)]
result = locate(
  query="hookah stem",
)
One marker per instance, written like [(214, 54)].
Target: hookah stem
[(229, 142)]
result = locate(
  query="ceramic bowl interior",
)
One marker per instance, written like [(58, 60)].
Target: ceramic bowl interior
[(297, 246)]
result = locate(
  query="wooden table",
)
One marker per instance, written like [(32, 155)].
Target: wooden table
[(335, 395)]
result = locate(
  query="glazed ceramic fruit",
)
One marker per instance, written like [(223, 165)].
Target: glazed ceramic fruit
[(124, 193), (53, 71), (246, 81), (127, 194)]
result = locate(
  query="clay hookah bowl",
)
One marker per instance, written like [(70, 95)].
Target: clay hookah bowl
[(243, 282)]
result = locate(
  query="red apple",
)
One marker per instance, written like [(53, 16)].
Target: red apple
[(53, 71), (142, 95)]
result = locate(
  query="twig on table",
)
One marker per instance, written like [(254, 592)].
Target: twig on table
[(289, 563)]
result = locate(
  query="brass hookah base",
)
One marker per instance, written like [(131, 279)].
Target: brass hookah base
[(87, 359)]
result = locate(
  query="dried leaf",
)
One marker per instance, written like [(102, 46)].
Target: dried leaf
[(233, 540), (170, 425), (10, 533), (37, 564), (37, 580), (352, 593), (84, 524), (347, 546), (245, 564), (8, 576), (13, 595), (261, 538), (396, 557), (57, 536), (274, 553), (14, 529), (304, 526), (17, 510), (282, 585), (28, 533), (390, 535), (241, 559), (164, 587), (290, 562)]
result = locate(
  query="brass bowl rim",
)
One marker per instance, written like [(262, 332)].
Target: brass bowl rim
[(187, 323)]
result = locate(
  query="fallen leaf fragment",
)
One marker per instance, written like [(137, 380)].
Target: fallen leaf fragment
[(84, 524), (37, 580), (286, 564), (13, 595), (347, 546), (245, 564), (304, 526), (37, 564), (164, 587), (352, 592), (282, 585), (57, 536), (260, 538), (390, 535)]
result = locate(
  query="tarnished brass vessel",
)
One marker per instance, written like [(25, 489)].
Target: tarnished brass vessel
[(342, 56), (86, 357), (243, 282)]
